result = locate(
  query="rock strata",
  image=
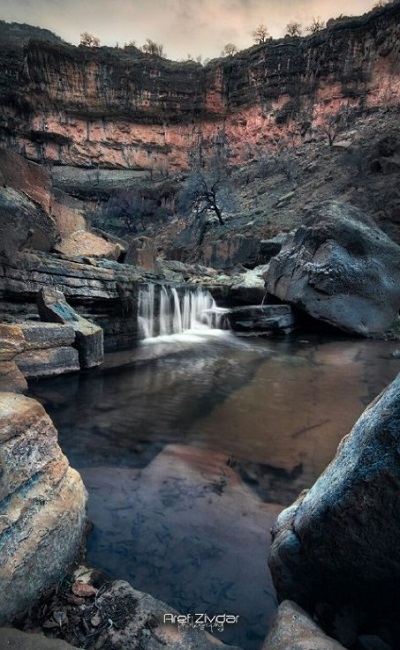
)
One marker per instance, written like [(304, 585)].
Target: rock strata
[(88, 336), (339, 268), (42, 505), (37, 349)]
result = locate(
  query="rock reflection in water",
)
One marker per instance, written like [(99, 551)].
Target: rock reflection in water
[(189, 532), (277, 409)]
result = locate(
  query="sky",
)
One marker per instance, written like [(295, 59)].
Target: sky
[(182, 26)]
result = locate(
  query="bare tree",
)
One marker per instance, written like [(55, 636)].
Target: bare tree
[(293, 29), (208, 186), (316, 26), (260, 34), (152, 48), (229, 50), (333, 124), (88, 40)]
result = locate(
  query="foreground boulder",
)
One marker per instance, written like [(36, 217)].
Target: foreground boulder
[(91, 612), (42, 505), (11, 639), (337, 546), (294, 629), (340, 268), (53, 307)]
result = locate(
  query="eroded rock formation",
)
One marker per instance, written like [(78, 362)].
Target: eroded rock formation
[(119, 108), (42, 505), (340, 268)]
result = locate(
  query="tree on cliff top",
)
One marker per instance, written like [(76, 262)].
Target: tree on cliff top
[(293, 29), (152, 48), (315, 26), (229, 50), (88, 40), (260, 34)]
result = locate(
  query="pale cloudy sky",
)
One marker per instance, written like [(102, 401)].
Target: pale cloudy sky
[(182, 26)]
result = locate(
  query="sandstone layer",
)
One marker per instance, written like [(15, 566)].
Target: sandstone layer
[(42, 505), (120, 108)]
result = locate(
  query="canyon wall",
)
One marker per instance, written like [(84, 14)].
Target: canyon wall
[(118, 108)]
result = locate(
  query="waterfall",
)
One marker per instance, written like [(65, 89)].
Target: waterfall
[(166, 310)]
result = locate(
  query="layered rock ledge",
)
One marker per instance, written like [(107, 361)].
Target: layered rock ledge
[(42, 505)]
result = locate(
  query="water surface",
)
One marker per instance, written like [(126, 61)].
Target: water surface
[(269, 412)]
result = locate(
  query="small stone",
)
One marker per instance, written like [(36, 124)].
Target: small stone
[(95, 620), (83, 590)]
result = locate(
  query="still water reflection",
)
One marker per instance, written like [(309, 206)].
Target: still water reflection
[(275, 409)]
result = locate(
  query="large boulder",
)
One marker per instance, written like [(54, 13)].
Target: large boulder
[(338, 545), (42, 505), (340, 268)]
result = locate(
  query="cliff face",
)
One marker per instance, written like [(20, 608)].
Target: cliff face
[(120, 108)]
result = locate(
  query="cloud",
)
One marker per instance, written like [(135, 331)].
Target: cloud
[(183, 26)]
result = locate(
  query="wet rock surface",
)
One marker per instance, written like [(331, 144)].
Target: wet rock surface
[(340, 268), (259, 319)]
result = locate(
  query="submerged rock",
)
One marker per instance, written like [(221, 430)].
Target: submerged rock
[(338, 544), (42, 505), (340, 268), (294, 629)]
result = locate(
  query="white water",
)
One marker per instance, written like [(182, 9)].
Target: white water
[(168, 312)]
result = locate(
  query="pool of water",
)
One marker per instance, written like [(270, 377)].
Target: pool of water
[(262, 418)]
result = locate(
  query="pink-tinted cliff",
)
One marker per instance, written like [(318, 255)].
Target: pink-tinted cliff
[(120, 108)]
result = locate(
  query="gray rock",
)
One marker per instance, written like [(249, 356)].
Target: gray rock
[(48, 363), (341, 269), (261, 318), (271, 247), (89, 337), (35, 336), (11, 639), (294, 629), (339, 542), (141, 623)]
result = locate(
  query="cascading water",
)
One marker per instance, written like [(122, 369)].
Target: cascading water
[(164, 311)]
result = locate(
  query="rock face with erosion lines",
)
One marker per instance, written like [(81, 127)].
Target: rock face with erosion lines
[(340, 268), (42, 505)]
